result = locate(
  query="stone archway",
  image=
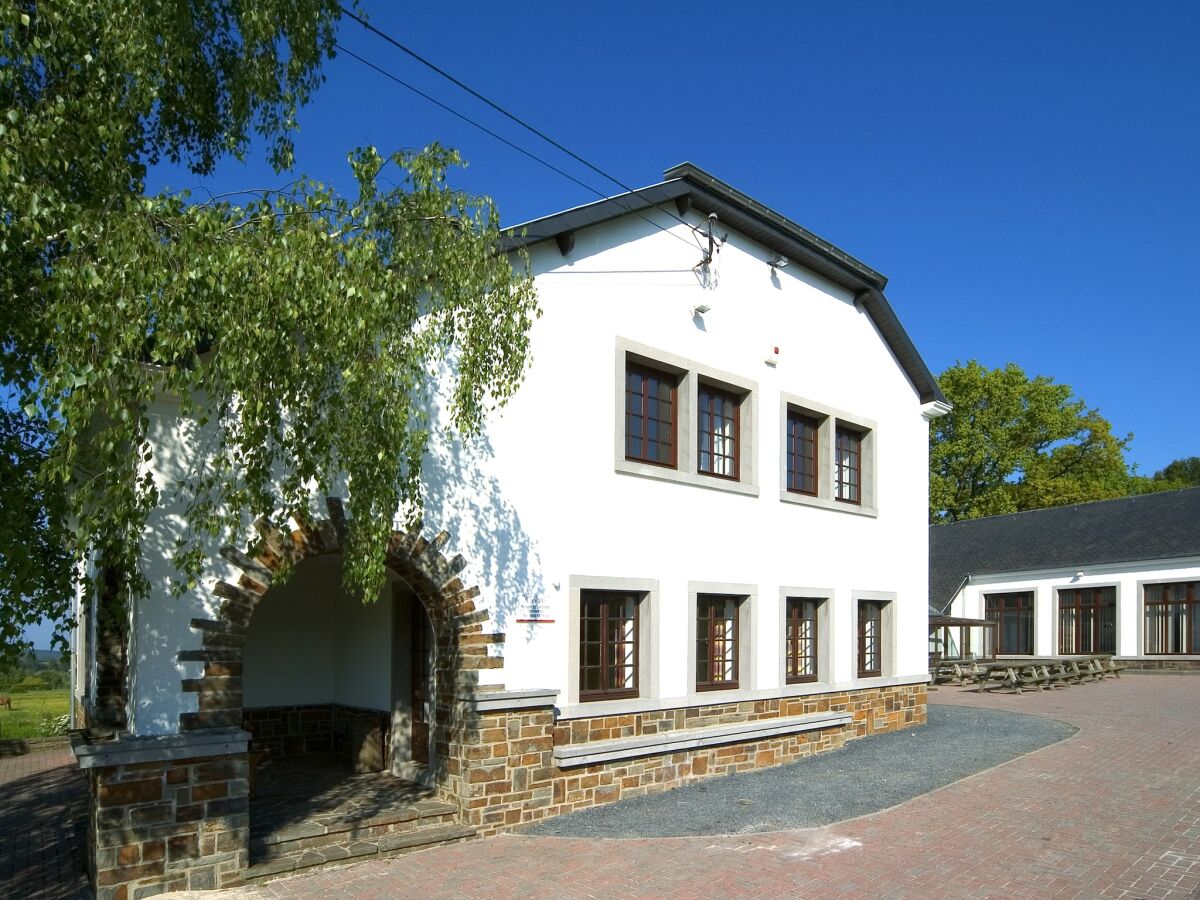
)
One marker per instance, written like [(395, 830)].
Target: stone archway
[(458, 627)]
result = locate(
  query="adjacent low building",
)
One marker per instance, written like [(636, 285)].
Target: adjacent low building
[(1115, 576)]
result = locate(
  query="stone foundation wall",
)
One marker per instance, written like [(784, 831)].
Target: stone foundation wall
[(1162, 664), (157, 827), (509, 776), (314, 728)]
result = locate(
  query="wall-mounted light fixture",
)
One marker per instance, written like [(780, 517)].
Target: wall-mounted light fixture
[(778, 261), (700, 309)]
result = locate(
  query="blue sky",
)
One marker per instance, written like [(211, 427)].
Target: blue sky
[(1024, 173)]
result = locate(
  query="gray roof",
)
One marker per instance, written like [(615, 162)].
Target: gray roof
[(692, 187), (1131, 529)]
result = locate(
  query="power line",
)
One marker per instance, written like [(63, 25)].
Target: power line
[(500, 109), (400, 81)]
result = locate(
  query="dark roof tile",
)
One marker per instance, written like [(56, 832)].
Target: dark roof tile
[(1145, 527)]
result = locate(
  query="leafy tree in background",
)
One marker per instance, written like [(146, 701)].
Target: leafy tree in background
[(1014, 443), (299, 327), (1181, 473)]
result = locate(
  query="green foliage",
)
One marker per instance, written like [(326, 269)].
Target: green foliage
[(1013, 443), (1181, 472), (298, 329)]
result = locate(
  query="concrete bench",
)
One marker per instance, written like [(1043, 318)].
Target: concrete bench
[(571, 755)]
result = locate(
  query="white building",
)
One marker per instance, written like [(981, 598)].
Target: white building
[(1115, 576), (694, 542)]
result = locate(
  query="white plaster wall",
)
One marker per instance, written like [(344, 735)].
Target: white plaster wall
[(549, 466), (310, 642), (1127, 578), (538, 499)]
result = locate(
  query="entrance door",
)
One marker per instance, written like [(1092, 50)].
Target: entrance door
[(422, 682)]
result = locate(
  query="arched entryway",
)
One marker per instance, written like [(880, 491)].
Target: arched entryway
[(339, 676)]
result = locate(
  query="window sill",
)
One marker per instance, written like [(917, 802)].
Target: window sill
[(853, 509), (593, 752), (678, 476)]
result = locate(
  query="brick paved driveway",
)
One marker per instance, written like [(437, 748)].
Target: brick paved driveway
[(1113, 811), (42, 798)]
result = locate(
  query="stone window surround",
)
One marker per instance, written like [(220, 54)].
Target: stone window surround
[(826, 647), (828, 419), (647, 632), (887, 639), (746, 661), (691, 374)]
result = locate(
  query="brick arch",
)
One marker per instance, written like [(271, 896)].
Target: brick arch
[(458, 627)]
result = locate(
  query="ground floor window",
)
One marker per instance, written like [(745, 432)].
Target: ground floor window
[(1014, 613), (1171, 611), (870, 638), (716, 641), (608, 645), (800, 639), (1087, 620)]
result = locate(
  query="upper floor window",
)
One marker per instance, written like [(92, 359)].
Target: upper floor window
[(848, 465), (716, 641), (717, 431), (800, 639), (682, 421), (802, 454), (651, 414), (608, 645)]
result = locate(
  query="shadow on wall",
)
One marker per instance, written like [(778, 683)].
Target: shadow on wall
[(464, 497)]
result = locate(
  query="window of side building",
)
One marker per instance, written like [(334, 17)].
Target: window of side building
[(1087, 620), (718, 641), (1014, 613), (1171, 612)]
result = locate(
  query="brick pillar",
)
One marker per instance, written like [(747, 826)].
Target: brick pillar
[(166, 813), (503, 757)]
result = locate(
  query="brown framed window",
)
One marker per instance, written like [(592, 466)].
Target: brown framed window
[(608, 645), (1087, 620), (1014, 613), (718, 428), (800, 637), (1171, 614), (802, 453), (848, 465), (651, 413), (870, 638), (716, 641)]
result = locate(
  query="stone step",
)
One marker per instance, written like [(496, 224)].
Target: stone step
[(289, 839), (357, 850)]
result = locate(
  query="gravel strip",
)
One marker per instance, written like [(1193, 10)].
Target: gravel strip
[(865, 776)]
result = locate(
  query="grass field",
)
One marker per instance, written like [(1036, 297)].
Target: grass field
[(25, 719)]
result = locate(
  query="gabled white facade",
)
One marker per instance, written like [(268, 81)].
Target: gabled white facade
[(546, 505)]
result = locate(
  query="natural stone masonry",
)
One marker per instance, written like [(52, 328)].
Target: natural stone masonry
[(510, 776), (168, 813)]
